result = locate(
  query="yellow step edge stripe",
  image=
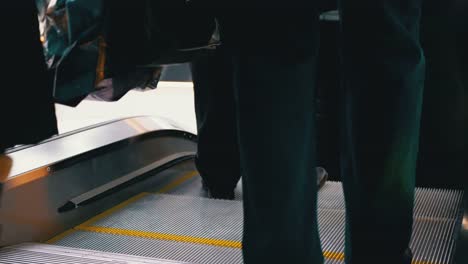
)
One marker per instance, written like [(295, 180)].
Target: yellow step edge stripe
[(333, 255), (183, 239), (121, 206), (161, 236), (195, 240), (187, 239), (177, 182), (167, 188), (114, 209)]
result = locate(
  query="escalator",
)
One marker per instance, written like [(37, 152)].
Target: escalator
[(127, 191)]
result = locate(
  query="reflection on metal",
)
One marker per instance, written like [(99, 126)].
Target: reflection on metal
[(29, 177), (138, 175), (140, 128), (63, 148), (164, 122), (40, 253), (44, 176), (333, 15)]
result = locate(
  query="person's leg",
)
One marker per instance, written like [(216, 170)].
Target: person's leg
[(274, 83), (382, 96), (26, 103), (277, 146), (218, 153)]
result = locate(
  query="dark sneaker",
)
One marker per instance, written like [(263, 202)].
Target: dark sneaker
[(408, 256), (217, 194), (322, 177)]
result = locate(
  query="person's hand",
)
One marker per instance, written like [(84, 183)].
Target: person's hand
[(5, 167)]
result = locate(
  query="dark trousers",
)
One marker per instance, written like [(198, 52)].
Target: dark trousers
[(271, 113), (26, 103), (218, 151)]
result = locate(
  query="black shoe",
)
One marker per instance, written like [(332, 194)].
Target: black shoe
[(322, 177), (408, 256), (217, 194)]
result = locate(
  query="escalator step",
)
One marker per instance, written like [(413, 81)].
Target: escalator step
[(201, 230), (32, 253), (153, 248)]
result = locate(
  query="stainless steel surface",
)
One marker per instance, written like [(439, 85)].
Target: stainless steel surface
[(47, 254), (435, 216), (180, 215), (165, 249), (30, 200), (42, 157), (170, 217), (124, 180)]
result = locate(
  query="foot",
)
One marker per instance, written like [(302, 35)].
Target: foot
[(408, 256), (217, 194), (322, 177)]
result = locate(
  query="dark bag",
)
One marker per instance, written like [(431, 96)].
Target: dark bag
[(119, 45), (157, 31)]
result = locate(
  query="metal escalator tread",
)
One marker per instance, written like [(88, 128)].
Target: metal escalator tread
[(152, 248), (200, 230), (31, 253), (211, 229), (180, 215)]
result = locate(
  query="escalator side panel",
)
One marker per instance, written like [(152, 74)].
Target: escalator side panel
[(29, 206)]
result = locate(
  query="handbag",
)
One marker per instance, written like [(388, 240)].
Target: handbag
[(105, 48)]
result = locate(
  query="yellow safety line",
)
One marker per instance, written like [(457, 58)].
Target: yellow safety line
[(86, 226), (177, 182), (161, 236), (118, 207), (60, 236), (334, 255), (113, 209), (187, 239)]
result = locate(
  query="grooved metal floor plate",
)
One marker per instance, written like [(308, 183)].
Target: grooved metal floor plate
[(180, 215), (31, 253), (154, 248), (436, 213)]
